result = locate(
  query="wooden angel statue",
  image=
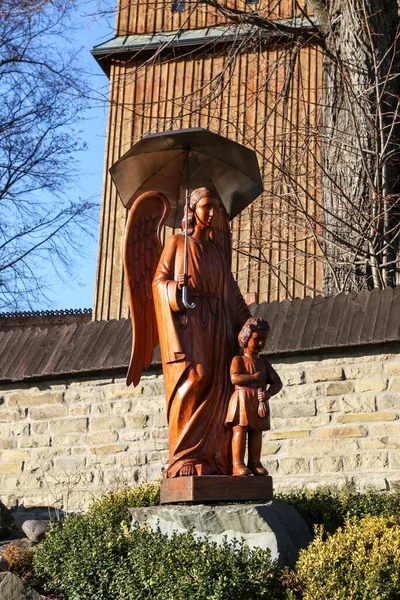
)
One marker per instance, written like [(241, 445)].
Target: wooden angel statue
[(198, 343)]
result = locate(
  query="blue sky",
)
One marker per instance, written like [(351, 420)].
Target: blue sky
[(78, 293)]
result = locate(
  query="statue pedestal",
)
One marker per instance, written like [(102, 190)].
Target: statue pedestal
[(274, 525), (215, 488)]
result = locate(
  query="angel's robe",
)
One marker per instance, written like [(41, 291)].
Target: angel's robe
[(197, 346)]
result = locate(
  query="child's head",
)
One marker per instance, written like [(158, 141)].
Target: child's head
[(252, 325)]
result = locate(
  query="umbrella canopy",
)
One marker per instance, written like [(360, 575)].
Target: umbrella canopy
[(159, 162)]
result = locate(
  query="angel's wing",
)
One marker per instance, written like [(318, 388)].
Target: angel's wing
[(142, 251), (221, 234)]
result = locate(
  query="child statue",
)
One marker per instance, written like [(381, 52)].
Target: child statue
[(248, 410)]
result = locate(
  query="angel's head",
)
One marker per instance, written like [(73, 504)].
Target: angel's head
[(203, 206)]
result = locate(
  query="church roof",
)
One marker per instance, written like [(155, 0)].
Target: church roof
[(47, 346)]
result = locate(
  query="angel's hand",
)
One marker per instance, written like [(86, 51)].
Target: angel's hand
[(183, 280)]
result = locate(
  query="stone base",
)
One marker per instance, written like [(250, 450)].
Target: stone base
[(274, 525), (215, 488)]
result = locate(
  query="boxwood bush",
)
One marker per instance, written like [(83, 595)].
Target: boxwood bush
[(354, 556), (96, 557), (360, 561), (332, 506)]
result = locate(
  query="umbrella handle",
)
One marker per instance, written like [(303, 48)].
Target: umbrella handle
[(185, 301)]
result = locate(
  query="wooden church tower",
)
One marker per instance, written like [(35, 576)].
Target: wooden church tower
[(175, 64)]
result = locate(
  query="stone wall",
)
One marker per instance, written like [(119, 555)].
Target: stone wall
[(63, 442)]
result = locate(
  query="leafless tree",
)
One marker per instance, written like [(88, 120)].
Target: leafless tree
[(332, 167), (42, 95)]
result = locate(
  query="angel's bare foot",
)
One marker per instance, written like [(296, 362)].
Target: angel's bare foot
[(187, 470), (257, 468)]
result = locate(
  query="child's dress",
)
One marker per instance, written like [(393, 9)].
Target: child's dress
[(243, 404)]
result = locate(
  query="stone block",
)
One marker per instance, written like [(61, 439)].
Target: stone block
[(269, 448), (292, 377), (8, 455), (320, 447), (67, 464), (374, 461), (11, 416), (370, 385), (347, 431), (388, 443), (122, 408), (98, 463), (109, 449), (20, 429), (324, 374), (393, 368), (106, 423), (363, 371), (293, 466), (388, 401), (395, 385), (358, 403), (160, 434), (6, 444), (68, 439), (160, 419), (39, 428), (340, 388), (294, 433), (10, 467), (300, 422), (274, 525), (271, 466), (284, 409), (328, 405), (133, 460), (29, 399), (365, 417), (101, 438), (137, 421), (134, 436), (5, 429), (394, 460), (36, 441), (76, 425), (47, 412), (101, 408), (328, 464), (384, 429), (76, 411)]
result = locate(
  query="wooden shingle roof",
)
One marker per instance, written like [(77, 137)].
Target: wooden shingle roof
[(56, 348)]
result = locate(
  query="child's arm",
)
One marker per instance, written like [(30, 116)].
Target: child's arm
[(275, 383), (240, 378)]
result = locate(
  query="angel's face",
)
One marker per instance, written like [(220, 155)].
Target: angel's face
[(205, 210)]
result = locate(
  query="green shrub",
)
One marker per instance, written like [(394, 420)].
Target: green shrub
[(331, 507), (114, 506), (95, 557), (361, 561)]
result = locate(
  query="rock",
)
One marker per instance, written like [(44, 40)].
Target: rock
[(6, 515), (3, 564), (13, 588), (35, 530), (20, 543), (274, 525)]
